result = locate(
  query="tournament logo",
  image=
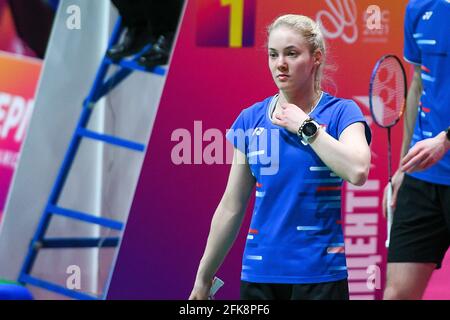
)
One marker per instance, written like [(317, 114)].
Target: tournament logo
[(339, 20)]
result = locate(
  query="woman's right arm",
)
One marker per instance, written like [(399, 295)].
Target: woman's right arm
[(225, 224)]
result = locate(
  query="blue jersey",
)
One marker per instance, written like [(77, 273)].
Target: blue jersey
[(427, 44), (295, 234)]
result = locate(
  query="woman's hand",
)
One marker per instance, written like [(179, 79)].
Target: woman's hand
[(289, 117), (200, 291)]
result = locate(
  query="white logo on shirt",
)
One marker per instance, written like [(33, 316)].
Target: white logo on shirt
[(258, 131), (427, 15)]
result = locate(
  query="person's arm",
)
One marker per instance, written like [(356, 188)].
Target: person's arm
[(412, 102), (348, 157), (425, 153), (225, 224)]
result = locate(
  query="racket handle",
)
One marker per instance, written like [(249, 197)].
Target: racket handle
[(389, 214), (216, 285)]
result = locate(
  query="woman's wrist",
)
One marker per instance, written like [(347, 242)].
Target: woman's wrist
[(444, 139), (312, 139), (446, 134)]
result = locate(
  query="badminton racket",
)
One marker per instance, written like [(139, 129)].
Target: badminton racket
[(387, 99)]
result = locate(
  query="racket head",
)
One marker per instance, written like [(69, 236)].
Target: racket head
[(387, 91)]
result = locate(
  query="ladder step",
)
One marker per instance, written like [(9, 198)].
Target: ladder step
[(105, 222), (60, 243), (133, 65), (111, 139), (25, 278)]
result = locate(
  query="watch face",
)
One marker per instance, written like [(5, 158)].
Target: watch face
[(309, 129)]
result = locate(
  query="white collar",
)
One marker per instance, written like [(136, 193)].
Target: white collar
[(273, 104)]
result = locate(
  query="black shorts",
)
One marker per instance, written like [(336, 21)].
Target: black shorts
[(421, 225), (336, 290)]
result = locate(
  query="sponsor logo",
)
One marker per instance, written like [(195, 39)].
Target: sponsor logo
[(258, 131), (427, 15)]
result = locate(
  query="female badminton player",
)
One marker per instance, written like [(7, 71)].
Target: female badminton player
[(297, 148)]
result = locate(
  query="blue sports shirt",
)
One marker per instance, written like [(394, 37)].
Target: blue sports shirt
[(295, 234), (427, 44)]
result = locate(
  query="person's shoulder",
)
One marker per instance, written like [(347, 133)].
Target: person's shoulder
[(416, 8), (418, 4), (345, 112), (258, 108), (255, 113), (339, 103)]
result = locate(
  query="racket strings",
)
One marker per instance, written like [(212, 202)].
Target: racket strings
[(388, 92)]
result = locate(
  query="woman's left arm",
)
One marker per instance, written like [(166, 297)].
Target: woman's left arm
[(348, 157)]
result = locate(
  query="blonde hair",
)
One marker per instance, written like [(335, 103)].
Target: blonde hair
[(310, 30)]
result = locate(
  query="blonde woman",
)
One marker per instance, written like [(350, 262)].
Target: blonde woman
[(297, 148)]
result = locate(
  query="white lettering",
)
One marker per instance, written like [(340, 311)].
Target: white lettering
[(15, 113), (373, 21), (361, 242), (74, 280), (73, 22)]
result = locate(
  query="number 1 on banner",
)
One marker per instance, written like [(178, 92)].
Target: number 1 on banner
[(236, 21)]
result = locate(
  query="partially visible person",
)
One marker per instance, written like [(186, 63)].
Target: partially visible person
[(33, 20), (420, 234), (145, 22)]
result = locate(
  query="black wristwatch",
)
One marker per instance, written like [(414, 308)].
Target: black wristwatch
[(308, 130), (447, 133)]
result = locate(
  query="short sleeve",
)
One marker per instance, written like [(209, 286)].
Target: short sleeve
[(350, 113), (236, 134), (411, 51)]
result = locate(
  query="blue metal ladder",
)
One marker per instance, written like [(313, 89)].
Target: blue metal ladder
[(100, 88)]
